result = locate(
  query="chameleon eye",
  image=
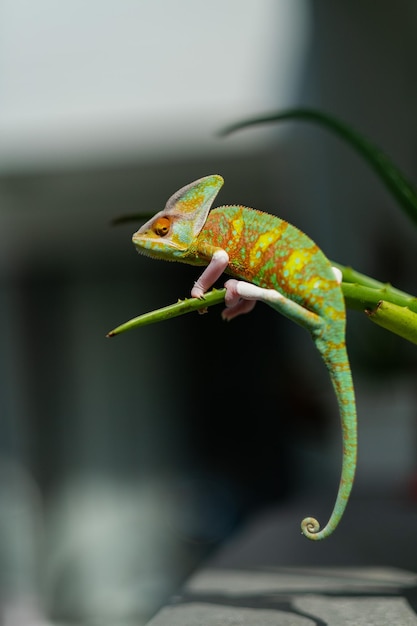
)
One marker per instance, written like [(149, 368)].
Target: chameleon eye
[(161, 226)]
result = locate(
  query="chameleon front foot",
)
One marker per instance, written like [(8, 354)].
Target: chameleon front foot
[(310, 528)]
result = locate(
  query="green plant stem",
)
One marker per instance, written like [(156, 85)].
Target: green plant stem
[(363, 292), (391, 308), (216, 296)]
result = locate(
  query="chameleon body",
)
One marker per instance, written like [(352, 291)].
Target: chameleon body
[(272, 261)]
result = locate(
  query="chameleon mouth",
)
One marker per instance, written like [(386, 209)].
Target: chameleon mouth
[(154, 248)]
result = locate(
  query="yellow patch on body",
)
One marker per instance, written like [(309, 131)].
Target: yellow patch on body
[(237, 226), (261, 244), (297, 260)]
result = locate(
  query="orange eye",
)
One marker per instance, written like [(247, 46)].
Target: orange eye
[(161, 226)]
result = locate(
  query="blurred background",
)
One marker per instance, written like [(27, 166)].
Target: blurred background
[(125, 462)]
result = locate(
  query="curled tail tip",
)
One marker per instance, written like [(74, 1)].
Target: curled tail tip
[(310, 528)]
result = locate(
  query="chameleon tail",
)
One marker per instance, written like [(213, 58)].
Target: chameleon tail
[(337, 362)]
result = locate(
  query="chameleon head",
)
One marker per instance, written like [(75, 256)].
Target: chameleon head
[(169, 234)]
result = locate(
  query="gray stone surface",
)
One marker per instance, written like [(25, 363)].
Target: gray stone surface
[(268, 573), (295, 596)]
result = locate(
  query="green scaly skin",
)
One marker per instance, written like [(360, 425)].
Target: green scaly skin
[(280, 266)]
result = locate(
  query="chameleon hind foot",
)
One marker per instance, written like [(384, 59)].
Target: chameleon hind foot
[(239, 291)]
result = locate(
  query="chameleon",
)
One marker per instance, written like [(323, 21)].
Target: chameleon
[(271, 261)]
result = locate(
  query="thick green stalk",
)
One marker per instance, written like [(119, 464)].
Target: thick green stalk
[(398, 319)]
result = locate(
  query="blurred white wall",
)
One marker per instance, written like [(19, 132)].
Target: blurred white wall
[(100, 79)]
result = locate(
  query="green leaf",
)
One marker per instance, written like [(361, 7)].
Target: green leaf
[(395, 181), (130, 217)]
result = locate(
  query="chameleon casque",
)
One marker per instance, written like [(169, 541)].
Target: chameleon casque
[(272, 261)]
